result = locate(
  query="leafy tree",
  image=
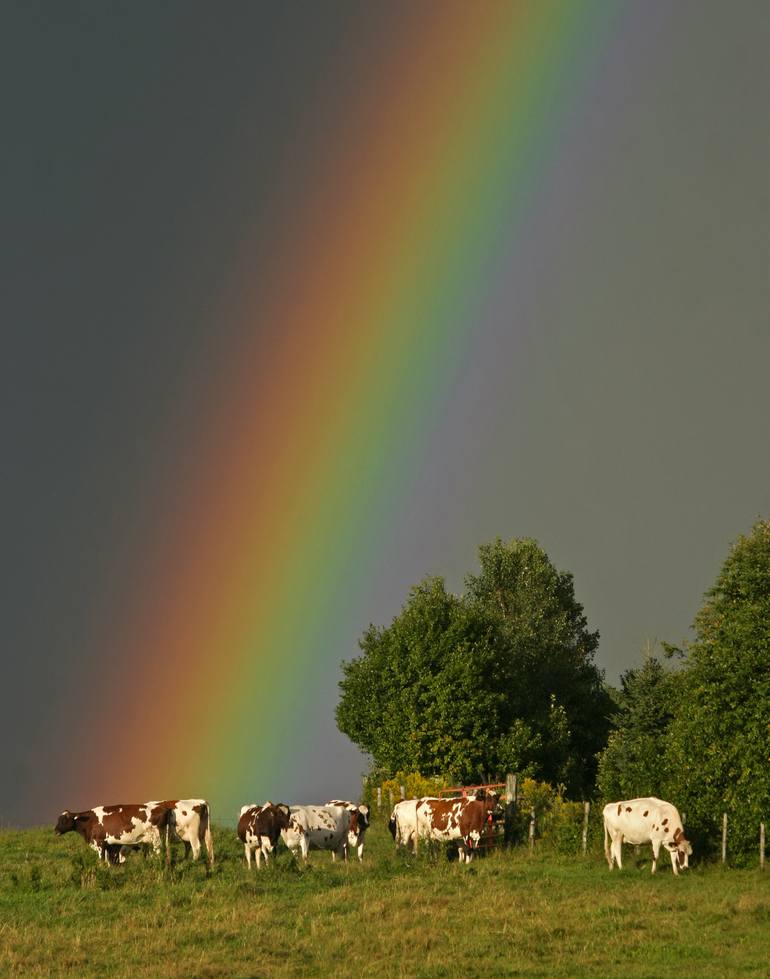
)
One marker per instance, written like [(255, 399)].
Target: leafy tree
[(555, 682), (423, 696), (499, 679), (634, 762), (720, 737)]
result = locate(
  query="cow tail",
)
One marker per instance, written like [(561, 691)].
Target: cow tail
[(607, 844), (206, 817)]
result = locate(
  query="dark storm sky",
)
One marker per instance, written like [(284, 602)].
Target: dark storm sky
[(141, 143)]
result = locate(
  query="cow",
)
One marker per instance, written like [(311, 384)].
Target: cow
[(403, 821), (106, 829), (189, 820), (359, 823), (429, 818), (259, 829), (318, 828), (645, 821)]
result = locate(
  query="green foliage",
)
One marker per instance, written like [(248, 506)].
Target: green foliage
[(720, 738), (558, 821), (499, 679), (416, 786), (634, 762)]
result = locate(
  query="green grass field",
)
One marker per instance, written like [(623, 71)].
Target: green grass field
[(512, 913)]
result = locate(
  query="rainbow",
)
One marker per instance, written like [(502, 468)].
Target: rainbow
[(348, 344)]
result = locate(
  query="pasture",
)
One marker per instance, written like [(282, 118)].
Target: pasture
[(513, 913)]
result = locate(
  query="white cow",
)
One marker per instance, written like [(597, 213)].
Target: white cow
[(359, 823), (318, 828), (190, 821), (403, 822), (649, 820)]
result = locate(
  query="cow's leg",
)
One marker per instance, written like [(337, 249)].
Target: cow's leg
[(247, 852), (617, 849), (607, 851), (342, 851), (195, 845), (655, 854), (674, 862)]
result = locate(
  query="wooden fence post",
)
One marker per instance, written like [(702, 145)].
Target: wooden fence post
[(586, 811), (379, 799), (724, 837), (390, 796), (532, 828), (761, 846), (510, 809), (403, 791)]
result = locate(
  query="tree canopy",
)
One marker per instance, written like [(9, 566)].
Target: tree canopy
[(499, 679), (634, 763), (719, 744)]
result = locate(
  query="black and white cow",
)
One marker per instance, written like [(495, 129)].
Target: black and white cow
[(647, 820)]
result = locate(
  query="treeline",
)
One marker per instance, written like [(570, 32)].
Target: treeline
[(502, 678)]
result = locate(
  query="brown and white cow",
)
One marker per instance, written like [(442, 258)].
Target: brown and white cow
[(647, 820), (259, 829), (359, 823), (463, 820), (108, 828), (189, 820), (318, 828)]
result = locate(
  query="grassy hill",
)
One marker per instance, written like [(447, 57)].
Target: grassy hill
[(510, 914)]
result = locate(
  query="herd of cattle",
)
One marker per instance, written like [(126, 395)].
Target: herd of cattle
[(340, 826)]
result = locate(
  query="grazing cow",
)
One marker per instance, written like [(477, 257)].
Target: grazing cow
[(108, 828), (318, 828), (359, 823), (444, 819), (403, 821), (645, 821), (190, 821), (259, 829)]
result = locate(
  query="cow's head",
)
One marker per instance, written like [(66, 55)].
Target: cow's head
[(282, 815), (66, 822), (492, 801), (363, 818), (682, 848)]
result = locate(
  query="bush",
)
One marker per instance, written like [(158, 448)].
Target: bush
[(416, 786)]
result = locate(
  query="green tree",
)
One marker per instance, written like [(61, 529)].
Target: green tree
[(634, 762), (719, 747), (499, 679), (555, 683)]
